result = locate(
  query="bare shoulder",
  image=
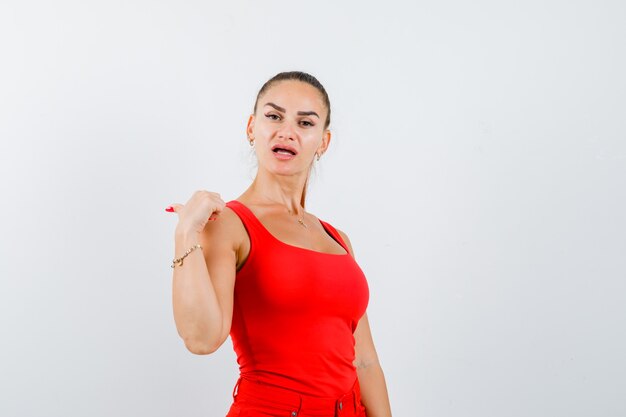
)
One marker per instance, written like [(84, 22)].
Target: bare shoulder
[(225, 234), (346, 239)]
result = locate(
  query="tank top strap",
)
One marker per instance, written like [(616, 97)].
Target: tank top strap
[(335, 234), (253, 226)]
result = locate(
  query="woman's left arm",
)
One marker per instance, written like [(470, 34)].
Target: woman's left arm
[(371, 378)]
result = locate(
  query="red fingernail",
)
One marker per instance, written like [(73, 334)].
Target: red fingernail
[(169, 208)]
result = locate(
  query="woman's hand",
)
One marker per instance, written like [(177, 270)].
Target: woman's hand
[(194, 215)]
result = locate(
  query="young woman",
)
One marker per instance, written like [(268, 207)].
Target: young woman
[(282, 283)]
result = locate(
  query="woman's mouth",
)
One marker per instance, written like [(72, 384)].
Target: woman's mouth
[(284, 151)]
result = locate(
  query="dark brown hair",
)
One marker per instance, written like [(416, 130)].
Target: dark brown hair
[(305, 78)]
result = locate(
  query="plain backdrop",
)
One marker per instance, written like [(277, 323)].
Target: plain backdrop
[(478, 164)]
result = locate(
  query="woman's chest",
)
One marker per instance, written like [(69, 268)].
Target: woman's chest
[(292, 280)]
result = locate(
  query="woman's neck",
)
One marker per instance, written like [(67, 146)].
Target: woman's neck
[(278, 189)]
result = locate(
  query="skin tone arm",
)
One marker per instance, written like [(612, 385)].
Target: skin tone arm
[(202, 288), (371, 378)]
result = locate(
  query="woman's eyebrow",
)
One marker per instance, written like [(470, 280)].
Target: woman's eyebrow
[(300, 113), (277, 107), (308, 113)]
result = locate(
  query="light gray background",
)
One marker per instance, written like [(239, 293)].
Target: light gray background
[(478, 164)]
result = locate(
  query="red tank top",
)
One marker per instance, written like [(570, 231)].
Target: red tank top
[(295, 311)]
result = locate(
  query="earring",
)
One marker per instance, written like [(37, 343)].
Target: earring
[(251, 141), (318, 156)]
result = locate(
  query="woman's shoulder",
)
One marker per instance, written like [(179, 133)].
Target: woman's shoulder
[(226, 230)]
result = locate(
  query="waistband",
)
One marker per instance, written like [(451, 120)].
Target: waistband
[(259, 394)]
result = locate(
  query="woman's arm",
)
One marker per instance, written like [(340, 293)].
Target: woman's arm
[(202, 288), (371, 378)]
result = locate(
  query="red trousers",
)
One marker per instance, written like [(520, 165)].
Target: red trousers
[(254, 399)]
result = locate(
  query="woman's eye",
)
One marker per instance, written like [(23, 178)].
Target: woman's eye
[(307, 123), (272, 116)]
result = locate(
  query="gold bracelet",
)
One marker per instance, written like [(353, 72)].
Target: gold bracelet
[(179, 261)]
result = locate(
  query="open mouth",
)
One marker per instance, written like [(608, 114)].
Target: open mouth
[(283, 150)]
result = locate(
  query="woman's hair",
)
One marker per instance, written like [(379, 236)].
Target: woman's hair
[(305, 78)]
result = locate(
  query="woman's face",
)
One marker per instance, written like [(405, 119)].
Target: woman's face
[(288, 127)]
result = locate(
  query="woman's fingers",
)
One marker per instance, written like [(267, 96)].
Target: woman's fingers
[(218, 209), (201, 207), (217, 203), (174, 208)]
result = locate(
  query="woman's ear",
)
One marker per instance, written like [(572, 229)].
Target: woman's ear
[(250, 127), (325, 142)]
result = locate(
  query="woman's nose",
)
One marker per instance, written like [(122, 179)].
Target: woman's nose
[(286, 131)]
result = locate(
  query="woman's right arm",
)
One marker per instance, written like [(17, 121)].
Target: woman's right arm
[(202, 288)]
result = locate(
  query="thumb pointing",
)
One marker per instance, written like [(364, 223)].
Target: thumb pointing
[(173, 208)]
